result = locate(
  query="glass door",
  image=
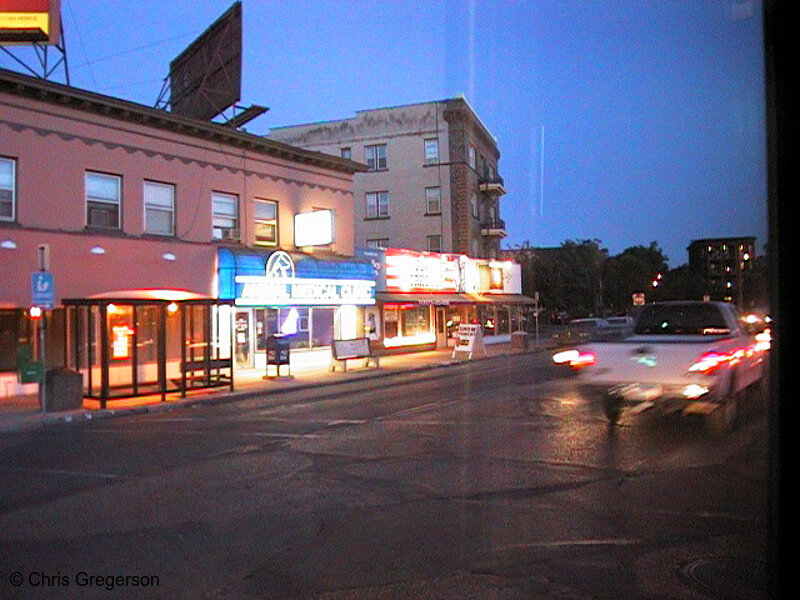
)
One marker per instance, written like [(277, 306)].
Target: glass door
[(244, 338)]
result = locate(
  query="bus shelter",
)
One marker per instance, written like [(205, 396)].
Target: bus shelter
[(148, 342)]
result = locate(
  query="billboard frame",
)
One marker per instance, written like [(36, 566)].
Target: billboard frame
[(205, 79)]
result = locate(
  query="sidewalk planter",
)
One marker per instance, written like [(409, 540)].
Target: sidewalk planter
[(520, 340), (63, 390)]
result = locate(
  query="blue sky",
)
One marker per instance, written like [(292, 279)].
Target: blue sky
[(627, 121)]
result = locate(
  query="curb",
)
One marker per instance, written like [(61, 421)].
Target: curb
[(42, 421)]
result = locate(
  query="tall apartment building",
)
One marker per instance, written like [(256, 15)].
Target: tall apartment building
[(724, 264), (432, 182)]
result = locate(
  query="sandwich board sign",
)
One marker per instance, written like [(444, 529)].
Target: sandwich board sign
[(469, 340)]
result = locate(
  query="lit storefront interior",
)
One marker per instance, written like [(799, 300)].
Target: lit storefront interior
[(424, 296), (148, 342), (307, 299)]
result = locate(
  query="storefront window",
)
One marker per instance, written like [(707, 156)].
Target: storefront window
[(503, 320), (391, 318), (487, 319), (321, 330), (266, 325), (310, 327), (416, 321)]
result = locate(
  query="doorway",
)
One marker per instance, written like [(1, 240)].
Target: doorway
[(441, 326), (243, 325)]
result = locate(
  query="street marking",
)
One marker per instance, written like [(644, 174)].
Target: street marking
[(58, 472)]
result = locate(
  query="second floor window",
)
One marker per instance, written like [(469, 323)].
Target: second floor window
[(378, 243), (8, 189), (225, 217), (159, 208), (266, 222), (377, 204), (375, 157), (346, 153), (103, 200), (431, 151), (433, 200), (434, 243)]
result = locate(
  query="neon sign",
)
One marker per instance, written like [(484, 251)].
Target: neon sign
[(279, 286)]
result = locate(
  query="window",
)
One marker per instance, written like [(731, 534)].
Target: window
[(225, 216), (378, 243), (431, 152), (159, 208), (266, 222), (377, 205), (8, 189), (346, 153), (434, 243), (375, 157), (433, 200), (473, 205), (472, 156), (103, 200)]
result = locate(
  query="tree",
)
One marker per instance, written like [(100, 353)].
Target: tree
[(638, 269), (681, 283)]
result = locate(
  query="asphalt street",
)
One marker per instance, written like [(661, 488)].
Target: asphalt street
[(485, 480)]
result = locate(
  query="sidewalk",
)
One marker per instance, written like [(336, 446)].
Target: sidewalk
[(27, 416)]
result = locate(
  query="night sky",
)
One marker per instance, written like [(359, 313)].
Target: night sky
[(623, 121)]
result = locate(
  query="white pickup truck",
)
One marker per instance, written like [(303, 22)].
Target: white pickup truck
[(694, 357)]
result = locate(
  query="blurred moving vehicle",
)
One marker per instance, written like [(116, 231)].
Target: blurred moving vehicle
[(693, 357)]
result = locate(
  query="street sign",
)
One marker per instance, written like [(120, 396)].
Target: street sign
[(42, 289)]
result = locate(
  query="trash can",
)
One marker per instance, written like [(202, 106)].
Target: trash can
[(63, 390), (520, 340)]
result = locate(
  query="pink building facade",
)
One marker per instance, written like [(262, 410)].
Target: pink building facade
[(127, 197)]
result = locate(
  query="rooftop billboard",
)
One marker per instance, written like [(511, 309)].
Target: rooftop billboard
[(206, 78), (30, 21)]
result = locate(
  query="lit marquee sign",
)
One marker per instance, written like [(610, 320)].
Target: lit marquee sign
[(409, 271), (412, 271), (280, 286)]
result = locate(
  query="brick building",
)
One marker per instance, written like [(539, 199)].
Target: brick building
[(432, 182)]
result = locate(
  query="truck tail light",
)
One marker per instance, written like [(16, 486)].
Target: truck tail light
[(576, 359), (710, 362), (583, 359)]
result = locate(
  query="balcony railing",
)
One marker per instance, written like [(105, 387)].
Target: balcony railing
[(492, 185), (493, 227)]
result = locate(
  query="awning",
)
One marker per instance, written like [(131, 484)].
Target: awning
[(424, 299), (450, 299), (500, 299)]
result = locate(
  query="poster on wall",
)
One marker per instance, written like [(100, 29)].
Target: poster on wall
[(372, 323)]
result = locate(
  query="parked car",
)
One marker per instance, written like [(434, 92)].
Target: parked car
[(583, 330), (619, 327)]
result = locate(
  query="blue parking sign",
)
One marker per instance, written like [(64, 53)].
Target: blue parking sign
[(42, 289)]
